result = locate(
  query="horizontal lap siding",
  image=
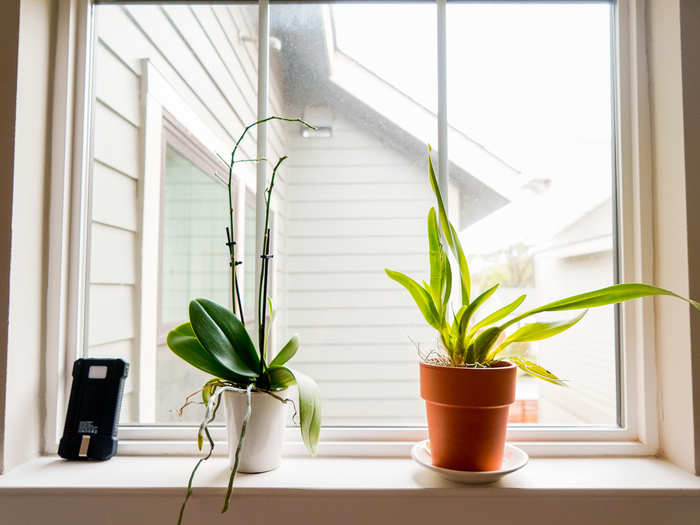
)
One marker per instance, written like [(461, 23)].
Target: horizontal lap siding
[(354, 208), (114, 231), (114, 198), (197, 50)]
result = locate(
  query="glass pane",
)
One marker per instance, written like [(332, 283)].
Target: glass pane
[(356, 195), (196, 65), (530, 146)]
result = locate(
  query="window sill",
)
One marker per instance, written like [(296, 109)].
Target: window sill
[(349, 475)]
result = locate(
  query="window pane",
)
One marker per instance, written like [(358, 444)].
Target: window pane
[(194, 66), (530, 145), (356, 198)]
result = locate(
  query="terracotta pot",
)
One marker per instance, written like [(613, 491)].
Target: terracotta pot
[(468, 414)]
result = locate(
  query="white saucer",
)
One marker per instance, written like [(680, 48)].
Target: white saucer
[(513, 459)]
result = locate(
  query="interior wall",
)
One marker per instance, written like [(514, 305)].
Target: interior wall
[(25, 339), (9, 31), (352, 508), (690, 58), (675, 135)]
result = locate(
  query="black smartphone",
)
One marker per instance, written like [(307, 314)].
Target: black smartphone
[(92, 419)]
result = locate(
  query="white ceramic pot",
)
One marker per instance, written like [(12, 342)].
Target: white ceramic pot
[(262, 447)]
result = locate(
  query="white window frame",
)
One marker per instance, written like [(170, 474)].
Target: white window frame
[(69, 244)]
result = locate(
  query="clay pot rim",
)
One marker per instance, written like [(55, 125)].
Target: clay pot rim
[(507, 365)]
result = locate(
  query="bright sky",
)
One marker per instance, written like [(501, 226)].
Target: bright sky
[(529, 82)]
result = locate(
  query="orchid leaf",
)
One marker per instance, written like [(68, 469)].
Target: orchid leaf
[(225, 337), (309, 409), (451, 236), (473, 307), (536, 370), (435, 252), (280, 377), (458, 319), (447, 291), (499, 314), (287, 352), (422, 298), (484, 341), (538, 331), (611, 295), (184, 343)]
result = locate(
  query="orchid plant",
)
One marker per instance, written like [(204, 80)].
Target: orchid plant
[(469, 343), (215, 340)]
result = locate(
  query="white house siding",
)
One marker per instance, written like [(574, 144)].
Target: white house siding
[(355, 207), (198, 52), (585, 354)]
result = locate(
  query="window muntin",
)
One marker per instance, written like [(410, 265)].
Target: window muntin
[(249, 260), (395, 360)]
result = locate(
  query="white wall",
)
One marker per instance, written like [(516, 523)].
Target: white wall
[(350, 508), (9, 35), (674, 69), (22, 380)]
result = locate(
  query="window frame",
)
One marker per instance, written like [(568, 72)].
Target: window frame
[(70, 210)]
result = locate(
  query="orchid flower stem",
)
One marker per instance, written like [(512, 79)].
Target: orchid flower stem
[(262, 294), (238, 297), (229, 186), (263, 270)]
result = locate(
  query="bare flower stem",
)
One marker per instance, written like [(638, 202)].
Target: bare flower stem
[(262, 294), (229, 185)]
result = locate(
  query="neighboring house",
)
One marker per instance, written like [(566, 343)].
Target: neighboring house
[(580, 258), (571, 252), (174, 86)]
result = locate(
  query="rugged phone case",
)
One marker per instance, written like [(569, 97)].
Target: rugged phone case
[(90, 431)]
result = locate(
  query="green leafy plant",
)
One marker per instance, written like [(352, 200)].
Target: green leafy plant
[(215, 340), (480, 344)]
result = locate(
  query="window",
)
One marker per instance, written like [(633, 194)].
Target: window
[(529, 152)]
